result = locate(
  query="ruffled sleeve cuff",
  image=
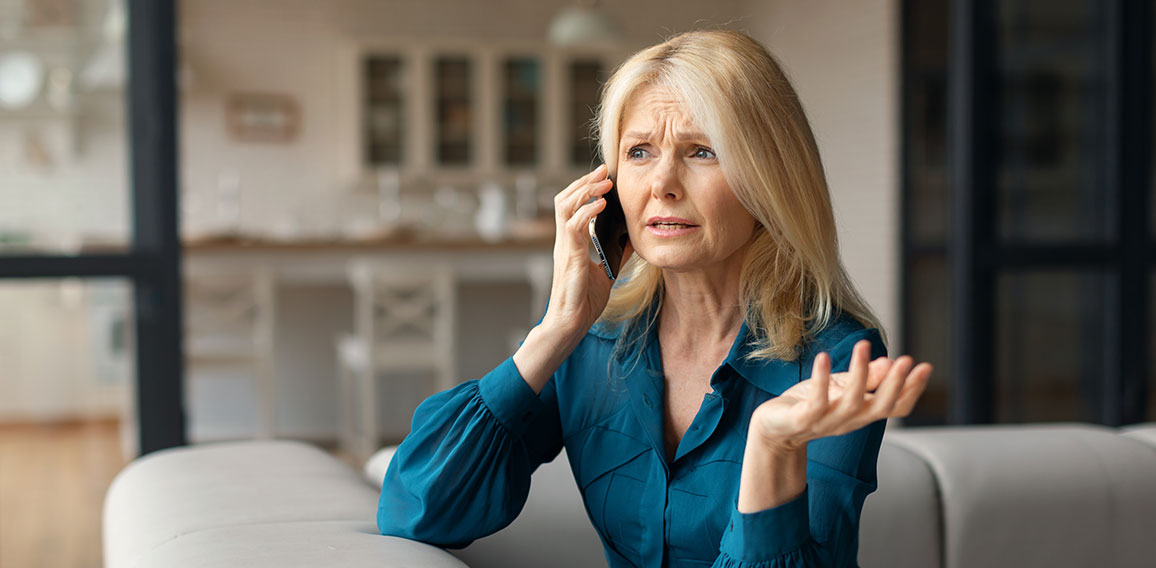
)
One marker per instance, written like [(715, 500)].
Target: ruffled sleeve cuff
[(509, 398), (768, 534)]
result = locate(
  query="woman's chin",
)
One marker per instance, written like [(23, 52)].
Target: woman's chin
[(674, 263), (684, 260)]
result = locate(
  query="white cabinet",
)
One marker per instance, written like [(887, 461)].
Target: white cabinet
[(465, 113)]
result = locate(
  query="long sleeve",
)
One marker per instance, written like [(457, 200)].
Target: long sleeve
[(464, 470), (821, 526)]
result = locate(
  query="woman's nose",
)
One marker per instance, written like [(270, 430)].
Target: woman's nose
[(665, 182)]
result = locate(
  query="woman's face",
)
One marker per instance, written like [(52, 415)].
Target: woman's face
[(680, 211)]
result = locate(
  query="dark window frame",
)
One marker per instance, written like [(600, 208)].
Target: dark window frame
[(152, 262)]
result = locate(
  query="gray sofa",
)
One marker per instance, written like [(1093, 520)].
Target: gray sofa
[(1036, 495)]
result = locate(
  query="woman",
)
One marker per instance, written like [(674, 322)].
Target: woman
[(696, 399)]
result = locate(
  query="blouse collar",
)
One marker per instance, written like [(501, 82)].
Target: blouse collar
[(774, 375)]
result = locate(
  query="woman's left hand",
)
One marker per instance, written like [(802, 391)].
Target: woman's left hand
[(775, 458), (833, 404)]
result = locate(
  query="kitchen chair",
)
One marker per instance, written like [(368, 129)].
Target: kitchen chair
[(229, 326), (403, 326)]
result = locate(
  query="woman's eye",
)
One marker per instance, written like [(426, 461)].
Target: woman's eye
[(636, 153), (704, 153)]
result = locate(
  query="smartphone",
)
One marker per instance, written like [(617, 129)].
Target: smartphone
[(608, 231)]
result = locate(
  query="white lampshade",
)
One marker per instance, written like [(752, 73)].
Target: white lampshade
[(582, 24), (21, 78)]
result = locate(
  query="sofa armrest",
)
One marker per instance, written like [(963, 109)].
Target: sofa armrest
[(258, 503), (1145, 433), (376, 465)]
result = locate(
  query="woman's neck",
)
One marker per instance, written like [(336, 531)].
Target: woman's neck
[(700, 309)]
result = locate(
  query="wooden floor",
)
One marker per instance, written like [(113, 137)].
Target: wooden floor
[(52, 484)]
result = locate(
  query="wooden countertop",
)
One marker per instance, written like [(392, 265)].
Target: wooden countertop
[(225, 244), (532, 235), (536, 238)]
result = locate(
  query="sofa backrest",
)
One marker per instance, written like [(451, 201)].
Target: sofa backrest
[(1056, 495), (900, 528), (552, 529)]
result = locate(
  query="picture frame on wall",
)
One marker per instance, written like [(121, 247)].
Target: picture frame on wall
[(262, 117)]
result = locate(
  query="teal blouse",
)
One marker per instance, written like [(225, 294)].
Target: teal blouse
[(464, 471)]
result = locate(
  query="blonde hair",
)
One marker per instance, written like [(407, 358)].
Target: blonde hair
[(792, 282)]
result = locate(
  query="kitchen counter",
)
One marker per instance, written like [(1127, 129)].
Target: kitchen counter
[(311, 292), (327, 261)]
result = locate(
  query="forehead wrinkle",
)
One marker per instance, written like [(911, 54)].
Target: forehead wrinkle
[(668, 114), (679, 135), (677, 128)]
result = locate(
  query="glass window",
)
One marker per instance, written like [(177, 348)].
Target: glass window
[(928, 222), (455, 116), (384, 123), (1050, 352), (1152, 195), (1050, 163), (90, 316), (1152, 351), (929, 200), (585, 82), (67, 357), (63, 142), (929, 318), (520, 126)]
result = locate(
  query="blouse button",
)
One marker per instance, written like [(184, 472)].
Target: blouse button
[(646, 401)]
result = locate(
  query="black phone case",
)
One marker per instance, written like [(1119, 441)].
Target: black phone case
[(610, 236)]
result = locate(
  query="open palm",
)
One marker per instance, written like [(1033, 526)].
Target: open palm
[(833, 404)]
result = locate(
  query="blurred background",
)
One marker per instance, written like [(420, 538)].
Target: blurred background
[(281, 218)]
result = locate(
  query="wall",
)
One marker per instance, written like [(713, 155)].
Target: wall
[(843, 58)]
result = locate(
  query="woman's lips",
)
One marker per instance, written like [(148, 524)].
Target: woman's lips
[(669, 226)]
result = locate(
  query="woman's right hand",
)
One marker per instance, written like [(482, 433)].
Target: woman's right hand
[(579, 289)]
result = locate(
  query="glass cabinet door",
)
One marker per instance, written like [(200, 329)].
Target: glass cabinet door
[(521, 84), (454, 106), (585, 78), (384, 122), (426, 109)]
